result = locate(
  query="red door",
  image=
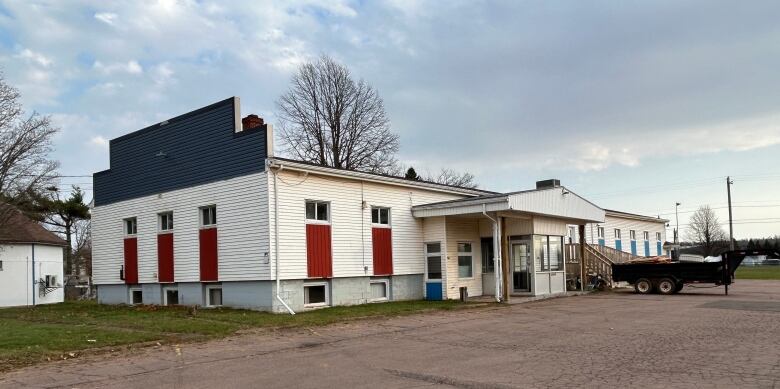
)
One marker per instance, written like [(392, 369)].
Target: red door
[(208, 254), (383, 251), (165, 257), (131, 260), (318, 251)]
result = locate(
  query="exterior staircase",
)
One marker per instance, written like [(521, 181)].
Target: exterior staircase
[(598, 260)]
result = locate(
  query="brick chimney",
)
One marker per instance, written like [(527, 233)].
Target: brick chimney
[(251, 121)]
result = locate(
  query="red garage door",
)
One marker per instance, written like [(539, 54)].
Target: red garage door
[(208, 254), (165, 257), (131, 260), (318, 251), (383, 251)]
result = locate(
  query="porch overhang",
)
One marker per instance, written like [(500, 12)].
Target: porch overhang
[(556, 202)]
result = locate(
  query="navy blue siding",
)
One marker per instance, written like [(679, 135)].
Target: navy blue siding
[(199, 147)]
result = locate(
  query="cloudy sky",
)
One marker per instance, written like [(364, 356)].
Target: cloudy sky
[(635, 105)]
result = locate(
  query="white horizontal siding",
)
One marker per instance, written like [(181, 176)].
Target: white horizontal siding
[(461, 230), (350, 222), (626, 224), (242, 235)]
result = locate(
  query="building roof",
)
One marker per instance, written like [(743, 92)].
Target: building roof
[(388, 179), (18, 228), (612, 212), (554, 202)]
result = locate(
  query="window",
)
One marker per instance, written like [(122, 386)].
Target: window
[(51, 281), (315, 295), (165, 221), (549, 253), (465, 260), (617, 233), (632, 234), (488, 264), (213, 296), (658, 236), (208, 216), (131, 226), (380, 216), (136, 296), (378, 290), (317, 211), (171, 297), (646, 235), (433, 260), (556, 253), (601, 232), (1, 265)]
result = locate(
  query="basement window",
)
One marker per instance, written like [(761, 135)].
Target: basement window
[(213, 296), (136, 296), (379, 290), (171, 297), (315, 295)]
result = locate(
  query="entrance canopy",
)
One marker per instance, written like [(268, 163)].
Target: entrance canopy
[(557, 202)]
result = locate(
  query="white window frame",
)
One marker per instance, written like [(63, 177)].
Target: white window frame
[(384, 281), (632, 234), (165, 290), (315, 220), (434, 254), (646, 235), (160, 226), (214, 215), (125, 226), (600, 232), (209, 288), (380, 224), (464, 254), (657, 236), (130, 296), (618, 234), (327, 294)]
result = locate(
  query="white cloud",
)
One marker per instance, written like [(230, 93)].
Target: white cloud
[(34, 57), (98, 141), (129, 67), (106, 17)]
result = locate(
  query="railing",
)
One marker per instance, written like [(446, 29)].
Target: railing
[(596, 263), (616, 256)]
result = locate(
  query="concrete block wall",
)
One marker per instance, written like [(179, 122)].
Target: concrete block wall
[(407, 287), (350, 291), (112, 294), (256, 295), (191, 293)]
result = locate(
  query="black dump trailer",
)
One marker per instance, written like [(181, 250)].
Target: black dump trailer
[(670, 277)]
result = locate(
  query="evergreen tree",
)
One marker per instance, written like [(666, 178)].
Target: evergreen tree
[(411, 174), (751, 245)]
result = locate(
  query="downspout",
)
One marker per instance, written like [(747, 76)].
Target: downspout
[(276, 240), (33, 273), (496, 253)]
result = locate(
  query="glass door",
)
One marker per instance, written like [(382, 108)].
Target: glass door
[(521, 267)]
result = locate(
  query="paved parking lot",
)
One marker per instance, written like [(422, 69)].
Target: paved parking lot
[(699, 338)]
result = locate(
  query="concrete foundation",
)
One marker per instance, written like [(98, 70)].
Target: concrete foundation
[(261, 295)]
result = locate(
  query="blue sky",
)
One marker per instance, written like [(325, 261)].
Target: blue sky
[(635, 105)]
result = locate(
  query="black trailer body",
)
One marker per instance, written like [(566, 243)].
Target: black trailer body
[(670, 277)]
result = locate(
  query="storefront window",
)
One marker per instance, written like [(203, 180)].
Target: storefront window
[(548, 253), (556, 253)]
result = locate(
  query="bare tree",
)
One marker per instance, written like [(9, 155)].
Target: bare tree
[(82, 250), (451, 177), (706, 231), (328, 118), (25, 143)]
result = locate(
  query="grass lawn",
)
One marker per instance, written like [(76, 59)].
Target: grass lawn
[(758, 273), (29, 335)]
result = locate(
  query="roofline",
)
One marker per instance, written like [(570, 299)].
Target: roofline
[(7, 241), (365, 176), (635, 216)]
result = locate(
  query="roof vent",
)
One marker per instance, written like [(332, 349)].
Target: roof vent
[(547, 184)]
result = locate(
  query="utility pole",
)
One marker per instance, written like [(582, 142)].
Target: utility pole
[(677, 220), (731, 227)]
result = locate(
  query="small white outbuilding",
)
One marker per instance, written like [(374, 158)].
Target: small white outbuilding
[(31, 270)]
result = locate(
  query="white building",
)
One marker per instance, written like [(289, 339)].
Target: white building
[(197, 210), (30, 261), (629, 233)]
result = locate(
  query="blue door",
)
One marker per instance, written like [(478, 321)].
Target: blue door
[(658, 248), (433, 290), (601, 242), (633, 247), (618, 245), (647, 249)]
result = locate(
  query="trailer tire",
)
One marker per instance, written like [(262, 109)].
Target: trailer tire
[(666, 286), (679, 287), (643, 286)]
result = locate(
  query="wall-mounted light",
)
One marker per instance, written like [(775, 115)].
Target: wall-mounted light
[(161, 154), (564, 191)]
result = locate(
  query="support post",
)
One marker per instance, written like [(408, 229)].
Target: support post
[(582, 256), (504, 259), (731, 227)]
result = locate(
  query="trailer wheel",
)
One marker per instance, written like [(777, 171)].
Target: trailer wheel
[(666, 286), (679, 287), (643, 286)]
